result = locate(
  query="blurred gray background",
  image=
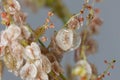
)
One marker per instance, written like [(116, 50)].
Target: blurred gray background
[(108, 39)]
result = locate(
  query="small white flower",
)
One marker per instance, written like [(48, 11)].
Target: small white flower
[(32, 52), (28, 71), (64, 39)]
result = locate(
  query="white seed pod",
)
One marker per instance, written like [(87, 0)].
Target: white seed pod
[(13, 32), (10, 34), (64, 39), (32, 52), (76, 40), (28, 71)]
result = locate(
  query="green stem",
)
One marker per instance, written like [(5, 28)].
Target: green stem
[(63, 77), (41, 43)]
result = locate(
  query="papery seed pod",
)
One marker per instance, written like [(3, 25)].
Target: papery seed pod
[(76, 40), (32, 52), (28, 71), (64, 39), (11, 33), (68, 39), (82, 69)]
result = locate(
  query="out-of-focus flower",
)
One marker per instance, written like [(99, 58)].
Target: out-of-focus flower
[(12, 6), (95, 24), (82, 69), (91, 46)]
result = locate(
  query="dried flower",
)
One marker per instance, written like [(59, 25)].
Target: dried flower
[(67, 39)]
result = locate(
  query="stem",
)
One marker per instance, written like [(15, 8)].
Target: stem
[(108, 68), (41, 43), (1, 69), (63, 77)]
